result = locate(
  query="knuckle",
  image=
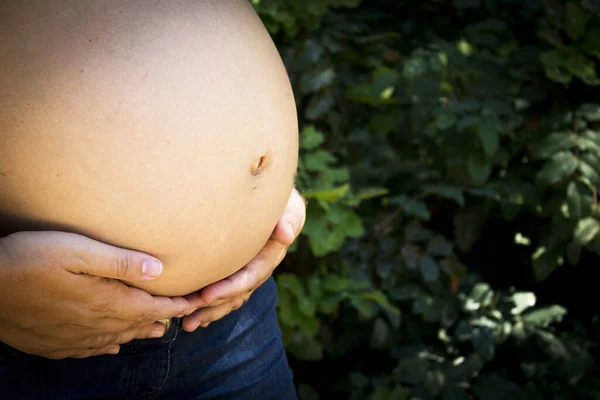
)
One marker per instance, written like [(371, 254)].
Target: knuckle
[(118, 338), (146, 316), (123, 264), (99, 308)]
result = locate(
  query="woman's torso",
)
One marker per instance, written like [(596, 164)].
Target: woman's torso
[(142, 124)]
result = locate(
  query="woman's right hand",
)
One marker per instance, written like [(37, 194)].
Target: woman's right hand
[(60, 296)]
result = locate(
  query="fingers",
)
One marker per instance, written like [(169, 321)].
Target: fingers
[(250, 276), (205, 316), (82, 255), (149, 331), (139, 306), (109, 344), (292, 221), (85, 353)]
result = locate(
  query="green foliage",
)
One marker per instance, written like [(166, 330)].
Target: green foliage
[(448, 157)]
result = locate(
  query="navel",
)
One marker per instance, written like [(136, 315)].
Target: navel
[(259, 165)]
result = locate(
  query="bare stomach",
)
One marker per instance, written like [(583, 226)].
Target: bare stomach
[(169, 129)]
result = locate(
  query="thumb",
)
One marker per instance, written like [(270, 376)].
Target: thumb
[(82, 255), (292, 221)]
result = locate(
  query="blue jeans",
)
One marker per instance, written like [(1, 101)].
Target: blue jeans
[(238, 357)]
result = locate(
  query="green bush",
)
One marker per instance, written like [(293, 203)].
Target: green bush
[(450, 153)]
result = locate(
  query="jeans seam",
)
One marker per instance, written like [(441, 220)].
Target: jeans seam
[(162, 385)]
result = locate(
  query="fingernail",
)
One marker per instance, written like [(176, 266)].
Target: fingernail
[(290, 229), (204, 325), (156, 333), (114, 350), (151, 268)]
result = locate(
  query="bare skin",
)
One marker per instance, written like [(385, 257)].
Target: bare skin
[(63, 297), (165, 127), (219, 299), (168, 129)]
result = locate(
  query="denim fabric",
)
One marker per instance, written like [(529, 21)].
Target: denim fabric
[(238, 357)]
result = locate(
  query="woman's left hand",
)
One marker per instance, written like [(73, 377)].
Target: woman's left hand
[(220, 298)]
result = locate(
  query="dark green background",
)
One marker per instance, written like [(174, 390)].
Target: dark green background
[(450, 152)]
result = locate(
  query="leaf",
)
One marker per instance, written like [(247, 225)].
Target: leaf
[(384, 123), (464, 106), (306, 348), (292, 283), (586, 230), (330, 303), (591, 42), (314, 81), (489, 139), (479, 168), (522, 301), (552, 345), (554, 143), (495, 387), (371, 193), (485, 192), (575, 20), (587, 170), (544, 263), (380, 333), (318, 234), (410, 255), (574, 200), (306, 306), (309, 326), (552, 59), (590, 145), (483, 343), (411, 207), (381, 394), (330, 195), (439, 246), (318, 160), (334, 283), (591, 135), (353, 225), (467, 122), (558, 168), (385, 77), (543, 317), (583, 68), (358, 379), (480, 297), (559, 75), (429, 269), (318, 106), (445, 120), (310, 138), (382, 301), (365, 307), (590, 111), (305, 392), (446, 191), (414, 232)]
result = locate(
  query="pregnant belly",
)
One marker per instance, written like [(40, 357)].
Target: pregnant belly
[(168, 129)]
